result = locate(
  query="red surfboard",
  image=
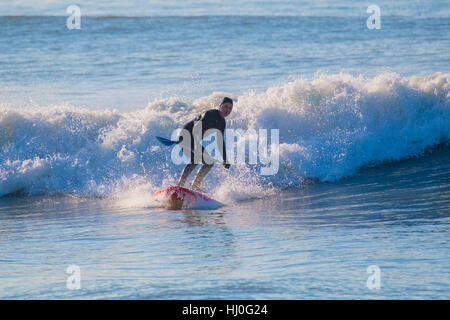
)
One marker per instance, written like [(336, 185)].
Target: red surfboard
[(176, 196)]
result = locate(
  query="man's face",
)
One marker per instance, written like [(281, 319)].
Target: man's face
[(226, 109)]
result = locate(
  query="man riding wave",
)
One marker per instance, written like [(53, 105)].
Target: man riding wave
[(190, 139)]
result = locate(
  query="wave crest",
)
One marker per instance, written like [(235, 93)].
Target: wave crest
[(330, 126)]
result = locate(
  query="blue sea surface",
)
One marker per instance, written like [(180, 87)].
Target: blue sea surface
[(311, 243), (364, 165), (125, 62)]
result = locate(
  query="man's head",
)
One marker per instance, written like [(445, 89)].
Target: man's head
[(226, 107)]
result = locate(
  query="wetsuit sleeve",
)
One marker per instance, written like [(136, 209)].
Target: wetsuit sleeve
[(212, 119)]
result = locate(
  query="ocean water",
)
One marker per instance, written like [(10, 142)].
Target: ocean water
[(364, 167)]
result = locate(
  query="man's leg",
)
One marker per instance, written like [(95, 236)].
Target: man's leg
[(197, 183), (188, 151), (186, 172)]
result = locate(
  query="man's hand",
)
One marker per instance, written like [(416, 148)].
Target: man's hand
[(226, 165)]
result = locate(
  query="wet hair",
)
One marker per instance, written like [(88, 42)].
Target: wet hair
[(227, 100)]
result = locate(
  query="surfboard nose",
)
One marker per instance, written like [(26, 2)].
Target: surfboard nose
[(174, 201), (174, 197)]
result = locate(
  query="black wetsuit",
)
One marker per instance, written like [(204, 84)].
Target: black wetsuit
[(210, 119)]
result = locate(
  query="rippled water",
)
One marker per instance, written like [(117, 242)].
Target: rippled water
[(364, 124), (316, 242), (124, 63)]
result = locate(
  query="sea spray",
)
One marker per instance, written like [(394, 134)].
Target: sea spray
[(329, 126)]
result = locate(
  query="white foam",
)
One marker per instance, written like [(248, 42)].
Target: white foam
[(329, 126)]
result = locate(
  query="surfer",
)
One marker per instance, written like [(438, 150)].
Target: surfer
[(211, 119)]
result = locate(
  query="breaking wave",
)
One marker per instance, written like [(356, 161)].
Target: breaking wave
[(329, 126)]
